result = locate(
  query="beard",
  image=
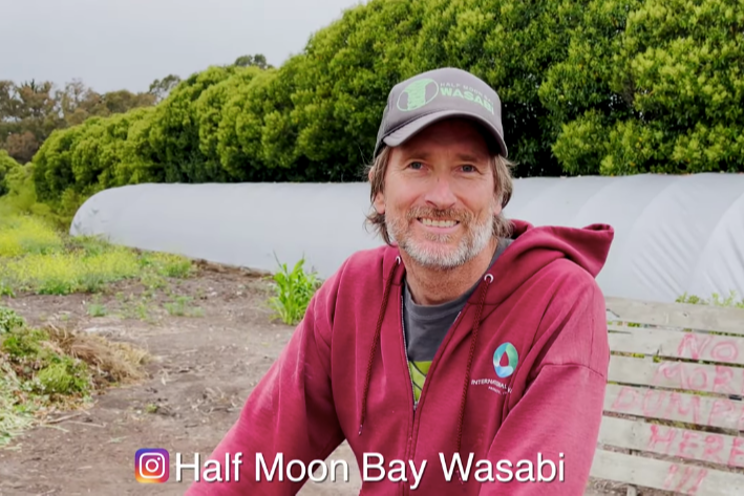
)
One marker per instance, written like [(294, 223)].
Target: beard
[(436, 250)]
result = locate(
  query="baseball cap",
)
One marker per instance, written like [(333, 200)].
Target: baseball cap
[(436, 95)]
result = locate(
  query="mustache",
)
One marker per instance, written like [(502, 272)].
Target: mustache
[(462, 216)]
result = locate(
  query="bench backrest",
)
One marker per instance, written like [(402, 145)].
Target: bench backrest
[(674, 398)]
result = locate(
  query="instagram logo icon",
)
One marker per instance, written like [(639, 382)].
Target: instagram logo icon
[(151, 465)]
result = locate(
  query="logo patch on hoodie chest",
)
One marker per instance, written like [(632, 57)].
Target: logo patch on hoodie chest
[(505, 361)]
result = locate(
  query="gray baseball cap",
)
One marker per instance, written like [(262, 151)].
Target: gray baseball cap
[(436, 95)]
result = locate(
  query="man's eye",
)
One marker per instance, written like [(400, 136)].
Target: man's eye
[(415, 165), (468, 168)]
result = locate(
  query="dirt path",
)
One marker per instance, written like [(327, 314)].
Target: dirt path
[(206, 368)]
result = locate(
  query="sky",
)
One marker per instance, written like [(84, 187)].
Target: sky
[(127, 44)]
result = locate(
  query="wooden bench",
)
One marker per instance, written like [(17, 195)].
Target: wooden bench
[(673, 413)]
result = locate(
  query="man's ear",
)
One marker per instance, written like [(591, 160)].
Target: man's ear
[(379, 203), (497, 208)]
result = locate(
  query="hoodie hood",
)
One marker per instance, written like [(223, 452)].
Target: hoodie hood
[(533, 249)]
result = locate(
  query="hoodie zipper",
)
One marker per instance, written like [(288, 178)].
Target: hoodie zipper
[(415, 408), (412, 409)]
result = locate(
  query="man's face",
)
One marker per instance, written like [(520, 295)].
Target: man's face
[(439, 198)]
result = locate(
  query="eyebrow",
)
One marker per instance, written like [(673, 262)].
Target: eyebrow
[(465, 157)]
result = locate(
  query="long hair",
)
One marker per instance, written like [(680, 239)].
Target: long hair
[(503, 181)]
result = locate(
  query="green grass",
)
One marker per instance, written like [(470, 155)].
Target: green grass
[(180, 306), (35, 258), (21, 235), (293, 291)]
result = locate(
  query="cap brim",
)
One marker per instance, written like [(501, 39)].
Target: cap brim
[(403, 134)]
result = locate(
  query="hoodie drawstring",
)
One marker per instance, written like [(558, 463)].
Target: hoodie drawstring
[(473, 341), (376, 338)]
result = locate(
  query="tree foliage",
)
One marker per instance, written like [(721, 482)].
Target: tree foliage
[(7, 166), (651, 86), (31, 111), (587, 87)]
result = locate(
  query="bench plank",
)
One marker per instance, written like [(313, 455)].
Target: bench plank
[(672, 405), (684, 315), (665, 440), (677, 375), (668, 476), (677, 344)]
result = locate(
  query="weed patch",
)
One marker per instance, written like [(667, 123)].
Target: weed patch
[(180, 306), (731, 300), (27, 235), (36, 258), (46, 369)]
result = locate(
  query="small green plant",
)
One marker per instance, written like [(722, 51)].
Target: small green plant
[(97, 309), (142, 311), (64, 376), (9, 320), (180, 307), (6, 290), (135, 308), (293, 292), (153, 281)]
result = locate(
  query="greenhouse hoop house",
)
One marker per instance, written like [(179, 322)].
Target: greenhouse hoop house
[(673, 234)]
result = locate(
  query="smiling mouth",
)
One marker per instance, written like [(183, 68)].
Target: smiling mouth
[(437, 222)]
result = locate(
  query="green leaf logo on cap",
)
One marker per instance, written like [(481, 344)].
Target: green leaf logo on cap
[(417, 94)]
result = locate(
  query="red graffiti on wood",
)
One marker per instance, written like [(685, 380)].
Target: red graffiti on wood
[(684, 479), (684, 407), (736, 457), (695, 445), (696, 378), (708, 347)]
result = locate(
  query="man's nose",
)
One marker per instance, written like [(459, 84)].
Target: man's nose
[(440, 195)]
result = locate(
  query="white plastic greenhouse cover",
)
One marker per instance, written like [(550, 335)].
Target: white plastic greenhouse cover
[(674, 234)]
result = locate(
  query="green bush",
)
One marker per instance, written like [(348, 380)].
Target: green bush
[(651, 86), (589, 87)]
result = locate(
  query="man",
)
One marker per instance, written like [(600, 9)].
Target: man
[(465, 335)]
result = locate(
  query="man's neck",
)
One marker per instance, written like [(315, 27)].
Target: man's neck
[(436, 286)]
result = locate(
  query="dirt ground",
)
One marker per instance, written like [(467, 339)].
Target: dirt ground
[(205, 367)]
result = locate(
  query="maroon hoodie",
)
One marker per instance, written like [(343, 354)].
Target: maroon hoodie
[(519, 379)]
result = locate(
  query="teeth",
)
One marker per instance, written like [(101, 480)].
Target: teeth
[(438, 223)]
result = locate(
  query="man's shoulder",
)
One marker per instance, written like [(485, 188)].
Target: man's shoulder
[(361, 275), (370, 264)]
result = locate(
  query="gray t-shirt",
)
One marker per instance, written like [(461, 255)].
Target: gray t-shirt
[(425, 327)]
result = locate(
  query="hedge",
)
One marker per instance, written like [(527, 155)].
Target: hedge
[(588, 87)]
